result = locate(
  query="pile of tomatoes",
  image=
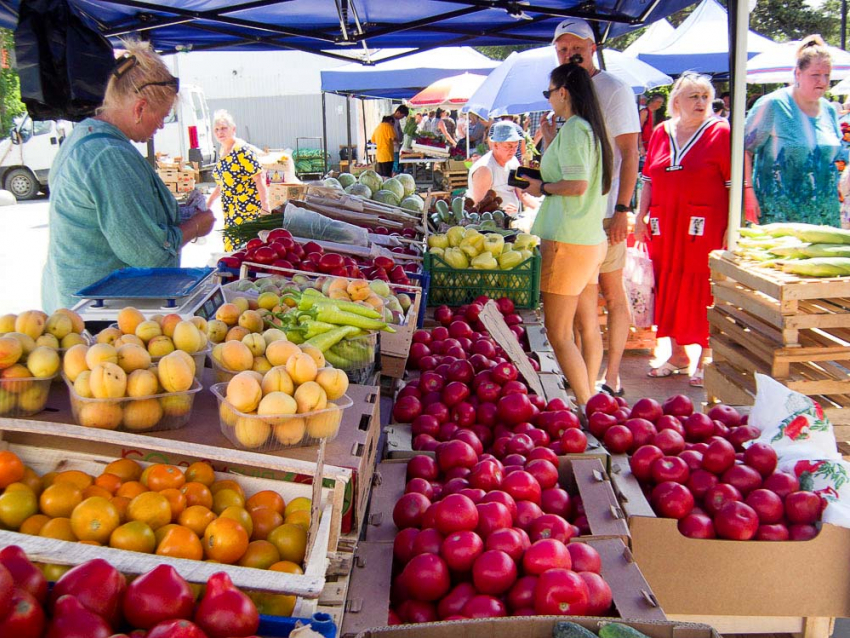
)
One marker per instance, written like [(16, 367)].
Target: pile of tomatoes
[(94, 600), (158, 509)]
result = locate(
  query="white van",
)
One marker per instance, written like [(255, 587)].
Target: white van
[(28, 153)]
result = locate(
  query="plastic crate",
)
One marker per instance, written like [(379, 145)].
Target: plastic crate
[(282, 626), (269, 433), (423, 279), (455, 287)]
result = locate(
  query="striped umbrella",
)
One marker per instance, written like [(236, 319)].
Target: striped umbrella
[(448, 93)]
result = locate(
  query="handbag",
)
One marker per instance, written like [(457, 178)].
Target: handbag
[(639, 282)]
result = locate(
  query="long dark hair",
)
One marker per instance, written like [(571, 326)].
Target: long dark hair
[(576, 80)]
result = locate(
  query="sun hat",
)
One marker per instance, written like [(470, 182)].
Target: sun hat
[(504, 132), (574, 26)]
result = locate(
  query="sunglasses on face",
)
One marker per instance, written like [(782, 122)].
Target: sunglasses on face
[(549, 92)]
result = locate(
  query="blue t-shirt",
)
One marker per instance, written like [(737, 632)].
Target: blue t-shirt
[(794, 174), (108, 210)]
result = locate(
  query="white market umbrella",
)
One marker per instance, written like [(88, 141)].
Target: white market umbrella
[(449, 93), (776, 65), (842, 88), (516, 86)]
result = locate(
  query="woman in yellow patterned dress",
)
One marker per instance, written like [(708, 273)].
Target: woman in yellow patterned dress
[(238, 176)]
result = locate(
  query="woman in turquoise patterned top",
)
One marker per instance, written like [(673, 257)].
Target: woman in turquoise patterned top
[(108, 207), (792, 143)]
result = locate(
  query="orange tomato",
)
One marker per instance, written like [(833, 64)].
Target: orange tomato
[(151, 508), (291, 542), (60, 499), (260, 554), (302, 503), (162, 531), (241, 516), (58, 528), (108, 481), (94, 490), (180, 542), (121, 503), (47, 479), (299, 517), (227, 484), (266, 498), (225, 541), (32, 480), (197, 494), (95, 543), (196, 518), (226, 498), (34, 524), (135, 536), (274, 604), (164, 477), (54, 572), (95, 519), (264, 520), (125, 469), (287, 566), (200, 472), (11, 468), (131, 489), (176, 500), (75, 477), (16, 506)]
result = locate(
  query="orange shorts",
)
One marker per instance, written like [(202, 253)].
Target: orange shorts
[(568, 268)]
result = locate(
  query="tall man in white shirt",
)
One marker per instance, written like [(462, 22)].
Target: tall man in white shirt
[(616, 98)]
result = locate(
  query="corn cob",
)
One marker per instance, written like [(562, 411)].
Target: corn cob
[(818, 267)]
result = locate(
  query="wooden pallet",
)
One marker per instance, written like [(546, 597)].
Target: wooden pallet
[(332, 599), (638, 339)]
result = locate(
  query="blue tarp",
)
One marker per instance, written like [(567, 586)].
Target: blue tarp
[(405, 77), (700, 43), (317, 25)]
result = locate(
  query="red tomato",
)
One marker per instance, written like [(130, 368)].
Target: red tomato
[(178, 628), (544, 555), (494, 572), (599, 596), (426, 577), (25, 575), (72, 620), (159, 595), (97, 585), (461, 549), (7, 587), (484, 607), (521, 595), (560, 592), (225, 611), (26, 618)]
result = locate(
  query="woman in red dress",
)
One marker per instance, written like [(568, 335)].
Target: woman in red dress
[(684, 209)]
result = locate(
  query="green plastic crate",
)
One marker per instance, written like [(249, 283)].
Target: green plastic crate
[(454, 287)]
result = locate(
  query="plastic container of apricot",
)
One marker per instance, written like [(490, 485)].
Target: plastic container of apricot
[(24, 396), (273, 432)]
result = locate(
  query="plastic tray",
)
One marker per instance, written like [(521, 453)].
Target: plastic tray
[(146, 283), (25, 396), (175, 410), (455, 287), (200, 359), (267, 425), (356, 357)]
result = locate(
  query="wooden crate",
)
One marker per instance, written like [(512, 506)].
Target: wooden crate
[(796, 330), (49, 454), (638, 339), (454, 180), (334, 592)]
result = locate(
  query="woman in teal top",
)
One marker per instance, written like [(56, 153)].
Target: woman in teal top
[(108, 207), (576, 170), (792, 142)]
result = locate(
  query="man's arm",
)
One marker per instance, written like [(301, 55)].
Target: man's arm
[(627, 143)]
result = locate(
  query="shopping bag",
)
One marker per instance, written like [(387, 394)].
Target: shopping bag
[(639, 281)]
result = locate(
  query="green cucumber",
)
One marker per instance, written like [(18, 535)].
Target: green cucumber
[(441, 206), (457, 206), (617, 630), (571, 630)]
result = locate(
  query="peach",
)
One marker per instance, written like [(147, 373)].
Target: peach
[(129, 319), (268, 300)]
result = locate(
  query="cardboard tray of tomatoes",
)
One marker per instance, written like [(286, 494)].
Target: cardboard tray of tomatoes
[(584, 477), (50, 550), (708, 577)]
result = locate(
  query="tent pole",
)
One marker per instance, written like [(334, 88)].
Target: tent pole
[(348, 128), (365, 132), (324, 133), (740, 11)]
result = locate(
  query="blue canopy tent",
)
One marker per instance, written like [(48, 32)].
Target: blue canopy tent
[(700, 43), (402, 78)]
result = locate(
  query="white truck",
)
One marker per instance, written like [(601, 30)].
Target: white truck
[(27, 154)]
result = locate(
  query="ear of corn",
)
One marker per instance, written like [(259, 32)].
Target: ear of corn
[(807, 233), (818, 267)]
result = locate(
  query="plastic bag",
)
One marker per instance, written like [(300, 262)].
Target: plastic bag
[(639, 281), (63, 62), (310, 225)]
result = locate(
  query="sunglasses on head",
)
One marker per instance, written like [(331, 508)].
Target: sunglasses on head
[(173, 83), (128, 61), (549, 92)]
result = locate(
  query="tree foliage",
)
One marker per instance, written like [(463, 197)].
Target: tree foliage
[(10, 90)]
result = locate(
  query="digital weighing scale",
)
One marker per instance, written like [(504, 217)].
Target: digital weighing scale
[(187, 292)]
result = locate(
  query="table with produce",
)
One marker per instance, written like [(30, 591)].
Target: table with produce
[(346, 427)]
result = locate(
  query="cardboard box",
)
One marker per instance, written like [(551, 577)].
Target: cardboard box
[(371, 579), (585, 477), (532, 627), (281, 193), (735, 578)]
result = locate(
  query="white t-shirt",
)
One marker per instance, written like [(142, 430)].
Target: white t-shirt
[(619, 108), (500, 178)]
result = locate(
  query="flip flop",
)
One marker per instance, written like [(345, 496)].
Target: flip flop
[(665, 370), (696, 381), (609, 390)]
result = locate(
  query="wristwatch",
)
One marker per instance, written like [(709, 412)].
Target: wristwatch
[(622, 208), (543, 187)]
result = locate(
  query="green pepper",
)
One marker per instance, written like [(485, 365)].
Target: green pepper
[(358, 350), (338, 362), (332, 314), (295, 336), (328, 339), (314, 328), (310, 301)]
